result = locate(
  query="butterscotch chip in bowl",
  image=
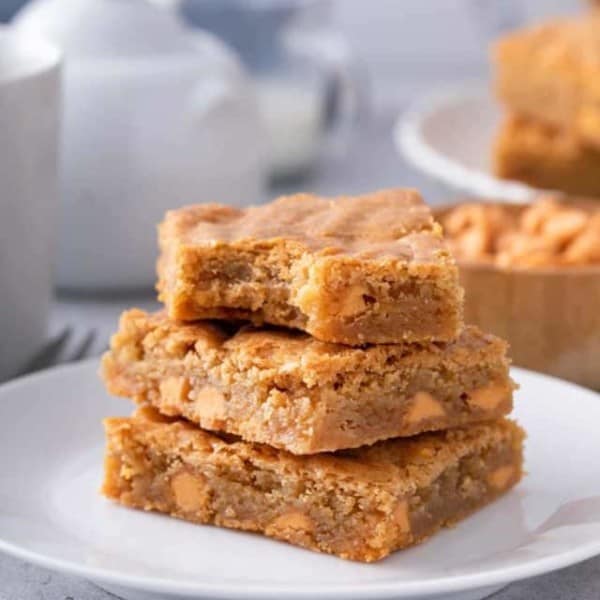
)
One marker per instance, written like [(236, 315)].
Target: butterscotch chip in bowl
[(536, 282)]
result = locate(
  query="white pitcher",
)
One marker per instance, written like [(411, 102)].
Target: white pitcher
[(155, 117)]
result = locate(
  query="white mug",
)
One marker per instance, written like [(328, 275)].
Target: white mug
[(29, 124)]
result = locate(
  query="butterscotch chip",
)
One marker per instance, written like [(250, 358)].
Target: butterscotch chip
[(286, 389), (585, 250), (402, 516), (564, 227), (486, 397), (533, 221), (291, 522), (423, 407), (175, 390), (353, 270), (214, 405), (189, 491), (360, 504), (501, 476)]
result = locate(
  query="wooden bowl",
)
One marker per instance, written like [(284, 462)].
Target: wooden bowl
[(550, 315)]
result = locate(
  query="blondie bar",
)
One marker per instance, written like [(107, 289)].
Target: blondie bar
[(550, 73), (353, 270), (286, 389), (360, 504), (546, 158)]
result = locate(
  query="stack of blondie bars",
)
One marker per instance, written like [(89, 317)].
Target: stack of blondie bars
[(546, 76), (311, 378)]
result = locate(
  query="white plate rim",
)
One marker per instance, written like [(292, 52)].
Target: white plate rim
[(387, 590), (413, 147)]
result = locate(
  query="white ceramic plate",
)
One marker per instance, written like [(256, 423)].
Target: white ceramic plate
[(449, 136), (51, 513)]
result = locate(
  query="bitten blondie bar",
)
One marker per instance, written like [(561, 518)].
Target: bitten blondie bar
[(549, 73), (353, 270), (546, 158), (359, 505), (291, 391)]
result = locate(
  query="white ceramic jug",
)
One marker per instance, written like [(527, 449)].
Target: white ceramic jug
[(155, 117), (29, 126)]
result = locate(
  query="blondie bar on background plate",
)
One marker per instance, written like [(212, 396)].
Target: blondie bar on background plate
[(546, 157), (549, 73), (353, 270), (291, 391), (357, 504)]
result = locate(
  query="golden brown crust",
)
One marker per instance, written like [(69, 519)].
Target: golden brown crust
[(359, 504), (291, 391), (353, 270), (385, 224)]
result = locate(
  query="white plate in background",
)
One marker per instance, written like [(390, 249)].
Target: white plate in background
[(51, 514), (448, 136)]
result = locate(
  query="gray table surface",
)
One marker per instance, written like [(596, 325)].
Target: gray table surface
[(372, 163)]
